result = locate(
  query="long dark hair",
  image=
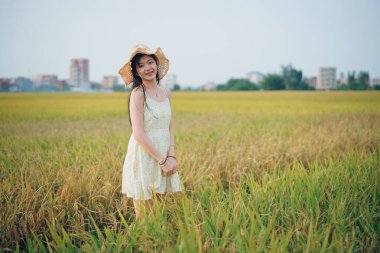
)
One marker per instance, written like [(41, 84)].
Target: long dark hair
[(137, 80)]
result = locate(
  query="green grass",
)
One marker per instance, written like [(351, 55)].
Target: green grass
[(262, 171)]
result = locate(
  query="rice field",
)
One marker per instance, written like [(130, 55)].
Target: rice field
[(261, 172)]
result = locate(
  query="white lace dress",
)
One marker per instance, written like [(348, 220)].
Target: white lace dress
[(142, 174)]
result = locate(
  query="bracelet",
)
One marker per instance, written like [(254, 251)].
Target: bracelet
[(172, 156), (163, 162)]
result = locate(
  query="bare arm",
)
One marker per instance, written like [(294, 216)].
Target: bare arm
[(171, 130), (136, 108)]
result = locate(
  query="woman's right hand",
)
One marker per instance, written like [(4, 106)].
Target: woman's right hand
[(169, 167)]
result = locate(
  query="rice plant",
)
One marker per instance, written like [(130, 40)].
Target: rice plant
[(262, 172)]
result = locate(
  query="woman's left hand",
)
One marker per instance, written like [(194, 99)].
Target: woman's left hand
[(170, 167), (174, 164)]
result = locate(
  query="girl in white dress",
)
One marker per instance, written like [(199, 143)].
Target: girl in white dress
[(150, 167)]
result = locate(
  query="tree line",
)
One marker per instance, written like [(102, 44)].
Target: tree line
[(292, 79)]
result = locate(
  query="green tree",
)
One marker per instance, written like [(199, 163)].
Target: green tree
[(66, 86), (119, 88), (240, 84), (293, 79), (273, 82), (176, 87), (220, 87), (363, 79), (237, 84), (358, 82), (24, 84), (351, 82)]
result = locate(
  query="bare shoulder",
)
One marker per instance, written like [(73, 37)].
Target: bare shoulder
[(137, 93), (137, 96)]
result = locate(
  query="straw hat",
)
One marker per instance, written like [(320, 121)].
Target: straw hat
[(162, 64)]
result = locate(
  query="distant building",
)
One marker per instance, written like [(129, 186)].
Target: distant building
[(255, 77), (326, 78), (46, 80), (109, 81), (210, 86), (61, 84), (79, 73), (341, 80), (6, 84), (312, 81), (168, 81), (375, 81)]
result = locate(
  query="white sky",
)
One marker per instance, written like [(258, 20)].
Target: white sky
[(204, 40)]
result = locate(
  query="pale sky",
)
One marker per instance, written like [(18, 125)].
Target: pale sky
[(204, 40)]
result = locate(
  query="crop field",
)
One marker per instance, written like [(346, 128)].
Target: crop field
[(261, 172)]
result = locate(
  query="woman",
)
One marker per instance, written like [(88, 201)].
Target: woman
[(150, 167)]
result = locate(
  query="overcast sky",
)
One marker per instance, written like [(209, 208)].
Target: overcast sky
[(204, 40)]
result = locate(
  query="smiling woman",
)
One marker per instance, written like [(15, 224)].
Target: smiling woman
[(150, 167)]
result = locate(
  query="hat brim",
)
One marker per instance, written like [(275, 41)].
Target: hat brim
[(162, 65)]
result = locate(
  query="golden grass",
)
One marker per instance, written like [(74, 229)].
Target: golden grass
[(263, 171)]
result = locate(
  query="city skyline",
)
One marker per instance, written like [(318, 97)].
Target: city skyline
[(290, 79), (327, 77), (204, 42)]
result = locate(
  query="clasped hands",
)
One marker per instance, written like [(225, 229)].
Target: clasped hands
[(169, 166)]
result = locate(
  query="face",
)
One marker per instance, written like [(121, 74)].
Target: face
[(146, 68)]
